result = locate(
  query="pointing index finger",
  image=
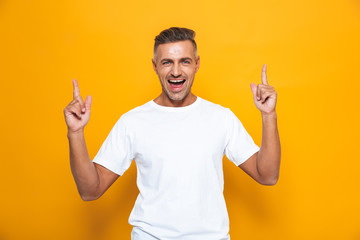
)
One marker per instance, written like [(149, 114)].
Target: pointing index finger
[(76, 88), (263, 75)]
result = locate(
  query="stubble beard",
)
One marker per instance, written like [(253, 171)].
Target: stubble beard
[(177, 96)]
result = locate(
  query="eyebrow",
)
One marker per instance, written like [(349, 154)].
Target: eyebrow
[(170, 60)]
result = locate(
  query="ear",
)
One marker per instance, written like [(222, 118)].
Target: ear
[(154, 65), (197, 64)]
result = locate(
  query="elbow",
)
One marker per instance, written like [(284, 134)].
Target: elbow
[(89, 193), (270, 181), (86, 197)]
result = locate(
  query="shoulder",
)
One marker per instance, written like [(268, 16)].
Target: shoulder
[(132, 115), (214, 107), (135, 112)]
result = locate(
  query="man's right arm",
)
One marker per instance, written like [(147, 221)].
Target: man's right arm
[(91, 179)]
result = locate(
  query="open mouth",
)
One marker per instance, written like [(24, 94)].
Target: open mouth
[(176, 82)]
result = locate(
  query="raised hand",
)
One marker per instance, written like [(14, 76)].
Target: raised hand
[(77, 112), (264, 95)]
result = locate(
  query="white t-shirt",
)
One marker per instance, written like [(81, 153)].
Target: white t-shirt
[(178, 153)]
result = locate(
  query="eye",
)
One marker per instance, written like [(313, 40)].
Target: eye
[(166, 63), (187, 62)]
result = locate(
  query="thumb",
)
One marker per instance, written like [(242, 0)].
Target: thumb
[(253, 89), (88, 103)]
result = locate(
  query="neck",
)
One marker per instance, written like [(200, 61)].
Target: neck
[(164, 100)]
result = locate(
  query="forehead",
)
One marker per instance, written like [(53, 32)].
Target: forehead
[(175, 50)]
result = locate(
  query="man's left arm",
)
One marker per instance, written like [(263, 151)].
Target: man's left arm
[(264, 165)]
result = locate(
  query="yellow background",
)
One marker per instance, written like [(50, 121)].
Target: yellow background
[(312, 51)]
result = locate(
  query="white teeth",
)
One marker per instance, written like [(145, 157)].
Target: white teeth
[(175, 81)]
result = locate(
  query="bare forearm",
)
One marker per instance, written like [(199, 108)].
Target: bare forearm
[(82, 168), (268, 161)]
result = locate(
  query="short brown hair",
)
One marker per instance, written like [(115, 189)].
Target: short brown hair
[(175, 34)]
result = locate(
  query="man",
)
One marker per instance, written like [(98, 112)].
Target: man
[(178, 141)]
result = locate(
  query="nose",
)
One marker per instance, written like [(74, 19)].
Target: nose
[(176, 71), (175, 76)]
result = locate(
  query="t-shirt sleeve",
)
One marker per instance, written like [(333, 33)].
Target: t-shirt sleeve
[(115, 153), (240, 146)]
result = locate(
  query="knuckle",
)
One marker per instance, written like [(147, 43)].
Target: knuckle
[(71, 109), (78, 99), (77, 104), (67, 108), (75, 109)]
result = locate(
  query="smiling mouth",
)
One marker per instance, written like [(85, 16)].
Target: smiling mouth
[(176, 82), (176, 85)]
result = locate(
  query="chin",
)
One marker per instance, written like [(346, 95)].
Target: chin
[(177, 98)]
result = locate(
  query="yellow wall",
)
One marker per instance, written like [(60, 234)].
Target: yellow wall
[(312, 51)]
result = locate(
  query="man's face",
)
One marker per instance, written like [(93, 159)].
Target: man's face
[(176, 64)]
